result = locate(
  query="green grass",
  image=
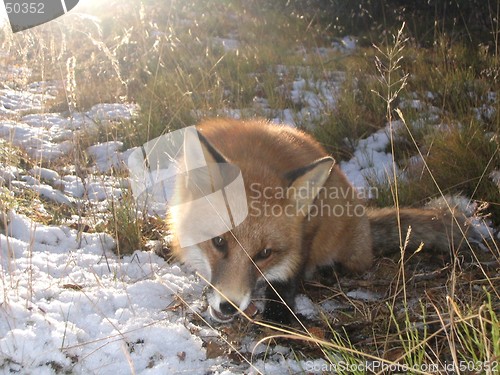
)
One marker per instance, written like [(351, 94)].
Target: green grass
[(478, 334)]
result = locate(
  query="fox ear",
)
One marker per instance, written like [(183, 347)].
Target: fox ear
[(306, 182), (202, 163), (198, 151), (212, 155)]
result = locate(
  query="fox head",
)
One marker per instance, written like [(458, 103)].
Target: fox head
[(235, 256)]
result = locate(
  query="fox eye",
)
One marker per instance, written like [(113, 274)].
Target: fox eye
[(264, 254), (219, 243)]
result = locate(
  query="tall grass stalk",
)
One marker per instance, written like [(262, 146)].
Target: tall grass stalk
[(389, 68)]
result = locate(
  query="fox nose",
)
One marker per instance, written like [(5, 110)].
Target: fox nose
[(227, 308)]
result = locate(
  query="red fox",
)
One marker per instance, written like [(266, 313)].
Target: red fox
[(302, 214)]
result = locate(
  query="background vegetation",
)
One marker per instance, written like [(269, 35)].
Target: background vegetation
[(182, 61)]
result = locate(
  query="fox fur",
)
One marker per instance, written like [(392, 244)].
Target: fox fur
[(280, 248)]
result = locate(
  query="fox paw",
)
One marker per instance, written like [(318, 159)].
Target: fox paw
[(277, 312)]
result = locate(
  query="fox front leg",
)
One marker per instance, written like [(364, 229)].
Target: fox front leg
[(276, 311)]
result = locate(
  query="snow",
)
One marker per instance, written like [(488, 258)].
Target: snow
[(315, 98), (48, 192), (48, 136), (14, 100), (371, 162), (346, 45), (45, 173), (495, 177), (364, 295), (71, 303), (481, 226), (106, 155), (305, 307)]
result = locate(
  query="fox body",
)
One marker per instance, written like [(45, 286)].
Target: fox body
[(302, 214)]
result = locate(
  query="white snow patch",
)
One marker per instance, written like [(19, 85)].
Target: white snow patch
[(345, 45), (371, 163), (48, 136), (107, 155), (305, 307), (74, 303), (113, 112), (364, 295), (12, 101), (45, 174), (48, 192), (495, 177), (480, 227)]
